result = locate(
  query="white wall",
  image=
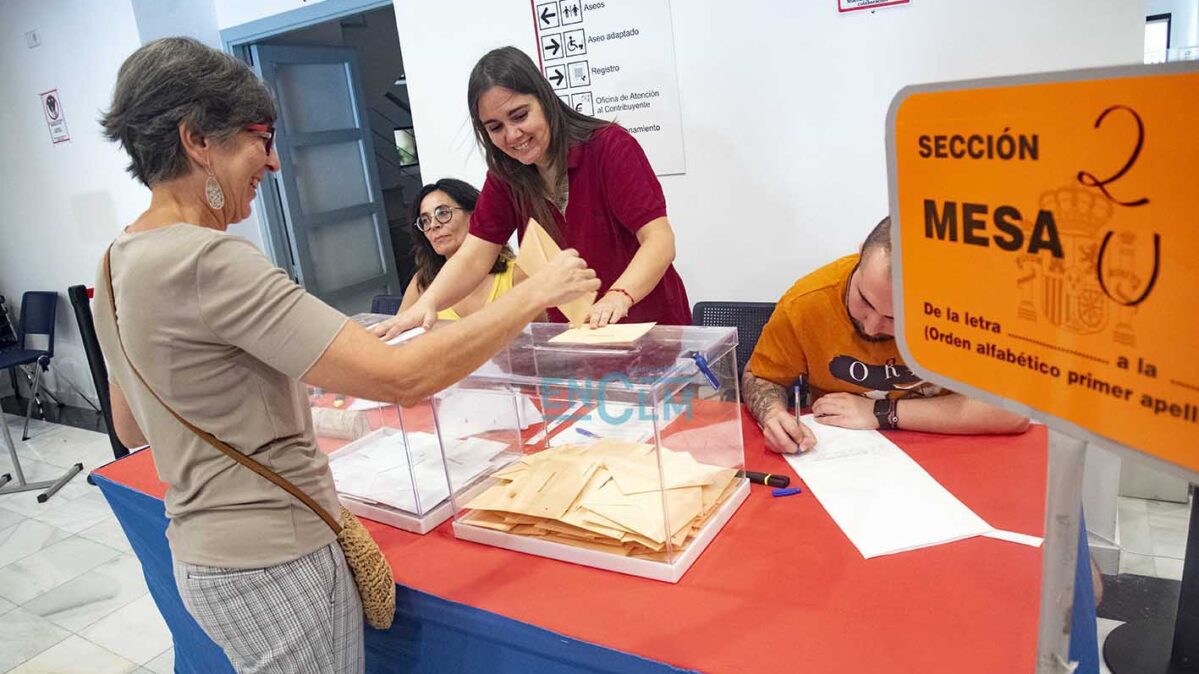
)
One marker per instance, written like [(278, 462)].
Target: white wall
[(1100, 486), (783, 106), (173, 18), (236, 12), (1184, 20), (191, 18), (62, 203), (783, 109)]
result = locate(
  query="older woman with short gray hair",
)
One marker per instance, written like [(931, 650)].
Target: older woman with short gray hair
[(199, 327)]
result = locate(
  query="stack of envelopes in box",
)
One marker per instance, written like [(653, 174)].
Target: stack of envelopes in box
[(608, 496)]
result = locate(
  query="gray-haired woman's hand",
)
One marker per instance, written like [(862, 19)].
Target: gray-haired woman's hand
[(565, 278), (422, 314)]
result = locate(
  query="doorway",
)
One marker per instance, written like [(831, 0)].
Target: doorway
[(335, 217)]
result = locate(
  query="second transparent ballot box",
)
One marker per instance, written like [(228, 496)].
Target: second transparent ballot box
[(385, 458), (618, 456)]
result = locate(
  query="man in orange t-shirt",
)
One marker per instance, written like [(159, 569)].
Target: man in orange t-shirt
[(834, 329)]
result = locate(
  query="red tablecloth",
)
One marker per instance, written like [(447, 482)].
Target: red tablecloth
[(780, 588)]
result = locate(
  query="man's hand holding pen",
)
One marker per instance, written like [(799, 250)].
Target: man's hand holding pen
[(785, 434)]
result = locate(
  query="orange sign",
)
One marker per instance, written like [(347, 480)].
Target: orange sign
[(1046, 248)]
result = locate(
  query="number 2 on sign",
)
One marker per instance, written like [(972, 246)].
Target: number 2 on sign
[(1089, 180)]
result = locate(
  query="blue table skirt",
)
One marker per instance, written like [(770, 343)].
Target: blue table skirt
[(429, 634)]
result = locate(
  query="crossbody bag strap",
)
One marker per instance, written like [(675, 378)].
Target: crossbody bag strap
[(205, 435)]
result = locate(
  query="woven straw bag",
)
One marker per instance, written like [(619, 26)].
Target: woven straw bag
[(372, 574)]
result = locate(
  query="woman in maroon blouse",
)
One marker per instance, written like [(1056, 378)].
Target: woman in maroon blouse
[(585, 180)]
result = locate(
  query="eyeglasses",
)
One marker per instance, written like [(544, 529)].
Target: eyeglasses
[(269, 129), (441, 214)]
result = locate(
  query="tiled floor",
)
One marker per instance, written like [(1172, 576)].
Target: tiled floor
[(1153, 537), (72, 595), (73, 599)]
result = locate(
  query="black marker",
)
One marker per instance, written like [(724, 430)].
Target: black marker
[(768, 479)]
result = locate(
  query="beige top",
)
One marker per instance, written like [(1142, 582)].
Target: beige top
[(223, 336)]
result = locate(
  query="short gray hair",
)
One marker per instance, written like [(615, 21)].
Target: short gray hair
[(879, 237), (178, 79)]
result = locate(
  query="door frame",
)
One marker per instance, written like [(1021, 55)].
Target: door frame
[(236, 40)]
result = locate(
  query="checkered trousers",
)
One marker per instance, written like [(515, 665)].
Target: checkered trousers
[(299, 617)]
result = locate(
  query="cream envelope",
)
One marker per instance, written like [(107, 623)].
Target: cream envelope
[(489, 520), (549, 488), (639, 474), (615, 333), (642, 513), (537, 248)]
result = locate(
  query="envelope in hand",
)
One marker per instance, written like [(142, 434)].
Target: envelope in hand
[(537, 248)]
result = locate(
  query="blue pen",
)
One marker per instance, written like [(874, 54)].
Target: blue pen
[(786, 492), (586, 433), (702, 364)]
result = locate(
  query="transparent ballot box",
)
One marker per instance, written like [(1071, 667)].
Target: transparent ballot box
[(386, 459), (618, 456)]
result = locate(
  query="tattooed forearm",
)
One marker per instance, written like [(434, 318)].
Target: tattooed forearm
[(762, 396)]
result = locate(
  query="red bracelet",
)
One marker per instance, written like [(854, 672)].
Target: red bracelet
[(624, 292)]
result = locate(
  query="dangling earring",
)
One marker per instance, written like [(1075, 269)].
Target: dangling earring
[(213, 192)]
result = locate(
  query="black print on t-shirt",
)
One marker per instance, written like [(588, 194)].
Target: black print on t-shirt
[(888, 376)]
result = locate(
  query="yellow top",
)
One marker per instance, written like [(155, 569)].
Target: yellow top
[(501, 284)]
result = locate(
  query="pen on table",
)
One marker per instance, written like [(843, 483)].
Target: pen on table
[(768, 479), (586, 433), (786, 492)]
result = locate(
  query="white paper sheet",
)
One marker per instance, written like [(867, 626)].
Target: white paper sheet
[(1015, 537), (406, 335), (882, 499), (362, 404), (464, 412), (616, 422), (375, 468)]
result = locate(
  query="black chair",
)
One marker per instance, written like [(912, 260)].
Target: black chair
[(95, 361), (37, 318), (8, 338), (386, 304), (748, 317)]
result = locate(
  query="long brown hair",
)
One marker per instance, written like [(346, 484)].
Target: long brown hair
[(428, 262), (512, 69)]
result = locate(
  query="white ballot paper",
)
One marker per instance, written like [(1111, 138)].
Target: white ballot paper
[(406, 335), (882, 499), (611, 421), (464, 412), (375, 468)]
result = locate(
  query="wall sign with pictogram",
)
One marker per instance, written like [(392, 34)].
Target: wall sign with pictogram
[(614, 59), (56, 119), (845, 6)]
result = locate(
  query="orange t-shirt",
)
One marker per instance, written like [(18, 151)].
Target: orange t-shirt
[(810, 333)]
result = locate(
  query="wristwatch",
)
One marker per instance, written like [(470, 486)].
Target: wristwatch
[(886, 411)]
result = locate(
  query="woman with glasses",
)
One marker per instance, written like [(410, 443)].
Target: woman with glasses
[(585, 180), (441, 213), (197, 325)]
